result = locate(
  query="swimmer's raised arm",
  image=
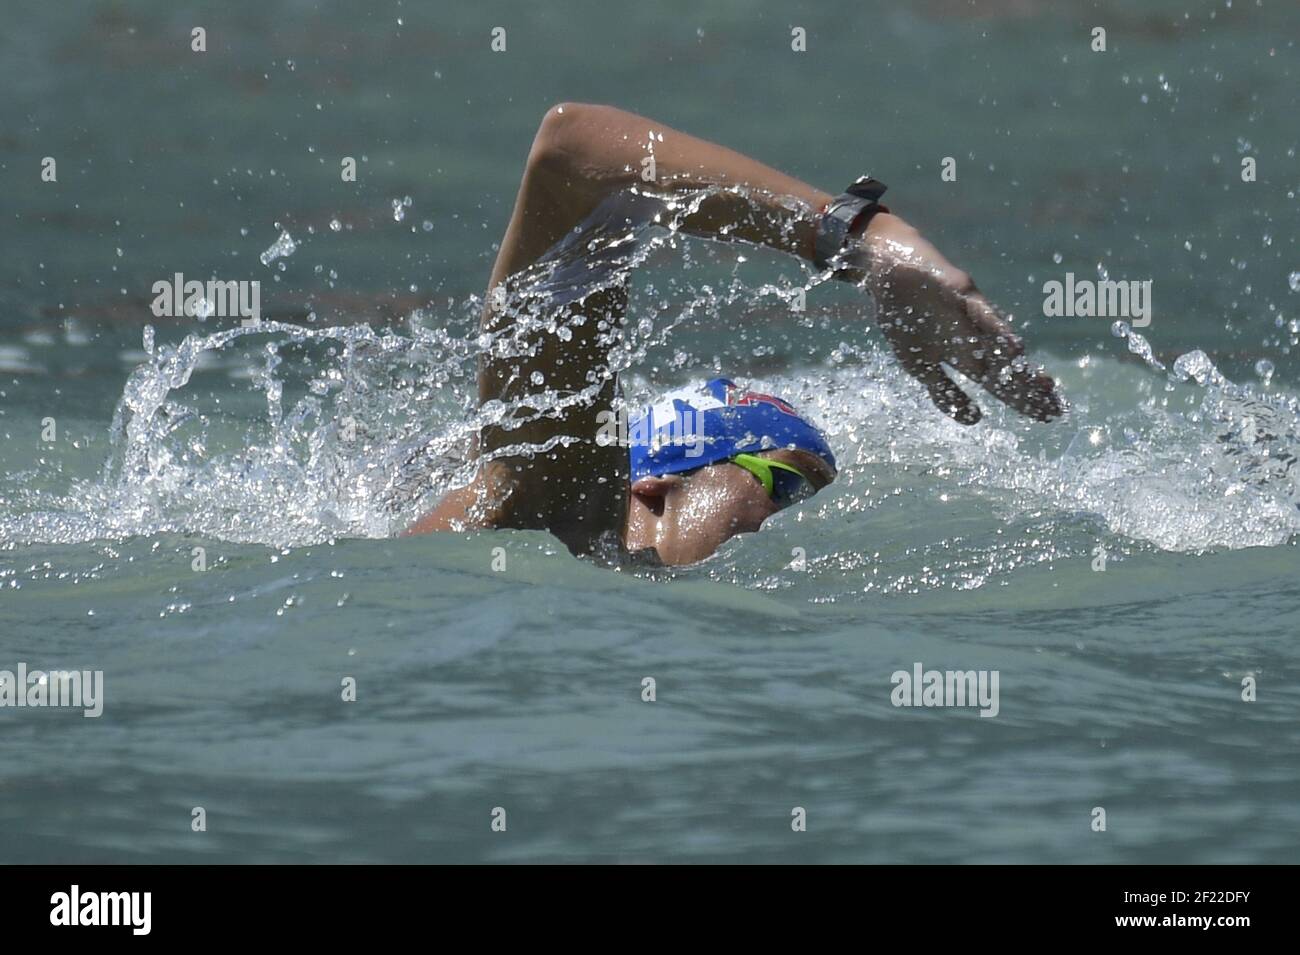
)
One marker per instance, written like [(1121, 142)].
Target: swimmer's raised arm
[(930, 311)]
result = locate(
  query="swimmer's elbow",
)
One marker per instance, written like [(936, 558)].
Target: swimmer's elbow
[(564, 138), (553, 144)]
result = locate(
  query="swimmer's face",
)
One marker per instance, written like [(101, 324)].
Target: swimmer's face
[(686, 517)]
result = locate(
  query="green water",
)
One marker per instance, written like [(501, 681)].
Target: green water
[(519, 685)]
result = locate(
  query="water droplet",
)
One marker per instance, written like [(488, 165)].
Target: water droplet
[(282, 247)]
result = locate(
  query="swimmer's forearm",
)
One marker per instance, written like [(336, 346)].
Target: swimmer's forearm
[(930, 310)]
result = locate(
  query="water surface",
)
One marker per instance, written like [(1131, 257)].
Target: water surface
[(521, 688)]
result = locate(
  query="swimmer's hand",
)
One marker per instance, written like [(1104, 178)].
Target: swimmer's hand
[(933, 315)]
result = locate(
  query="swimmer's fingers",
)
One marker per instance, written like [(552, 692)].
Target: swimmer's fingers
[(929, 322), (997, 362), (944, 392), (914, 308)]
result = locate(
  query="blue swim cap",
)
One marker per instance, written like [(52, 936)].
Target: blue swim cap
[(701, 425)]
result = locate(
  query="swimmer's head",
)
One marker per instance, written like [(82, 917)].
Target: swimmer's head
[(711, 462)]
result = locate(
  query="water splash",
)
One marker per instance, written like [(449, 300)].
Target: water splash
[(355, 432)]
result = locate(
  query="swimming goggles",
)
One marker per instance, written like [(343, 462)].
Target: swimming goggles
[(784, 483)]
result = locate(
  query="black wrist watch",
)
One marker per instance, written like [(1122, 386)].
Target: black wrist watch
[(851, 209)]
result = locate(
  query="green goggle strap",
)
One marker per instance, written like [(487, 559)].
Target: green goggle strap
[(761, 468)]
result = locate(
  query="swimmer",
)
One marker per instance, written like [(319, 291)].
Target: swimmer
[(703, 464)]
